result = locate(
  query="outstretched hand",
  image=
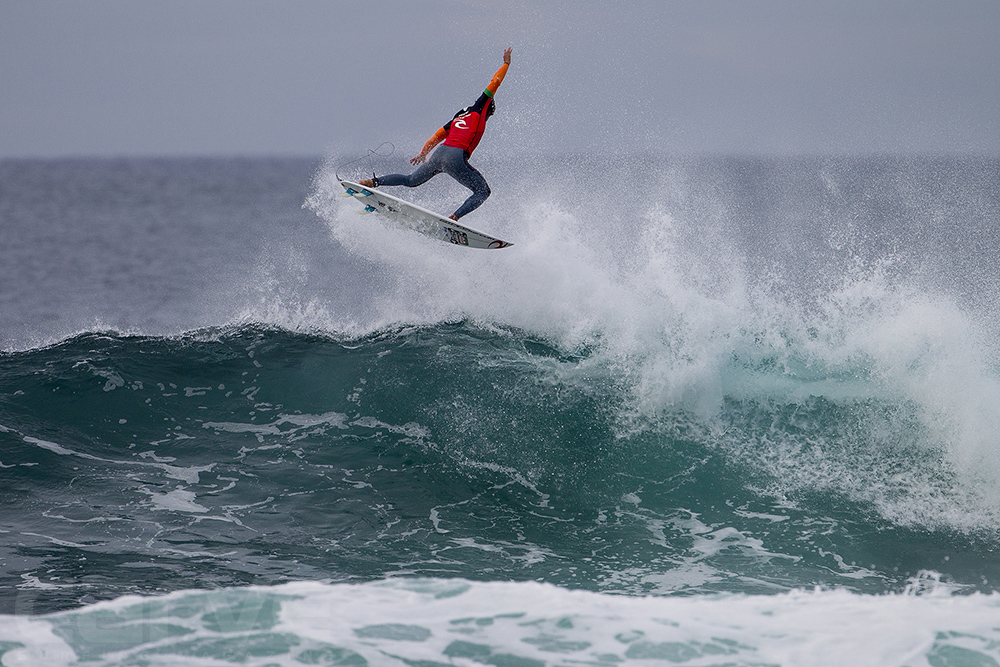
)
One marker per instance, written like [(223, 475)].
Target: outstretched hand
[(417, 159), (506, 55)]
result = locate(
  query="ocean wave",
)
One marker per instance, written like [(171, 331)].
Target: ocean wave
[(749, 377), (253, 454)]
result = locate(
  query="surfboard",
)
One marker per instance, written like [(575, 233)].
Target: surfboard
[(420, 219)]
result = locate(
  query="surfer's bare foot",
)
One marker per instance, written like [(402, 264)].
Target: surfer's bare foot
[(453, 217), (367, 182)]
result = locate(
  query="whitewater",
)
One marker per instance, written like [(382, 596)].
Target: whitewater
[(705, 411)]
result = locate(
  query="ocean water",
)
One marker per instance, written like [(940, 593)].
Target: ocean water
[(706, 411)]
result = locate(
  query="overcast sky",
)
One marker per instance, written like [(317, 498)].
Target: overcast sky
[(248, 77)]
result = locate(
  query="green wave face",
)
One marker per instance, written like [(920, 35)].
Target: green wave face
[(258, 456)]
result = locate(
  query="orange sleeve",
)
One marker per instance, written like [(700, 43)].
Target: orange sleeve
[(434, 141), (491, 89)]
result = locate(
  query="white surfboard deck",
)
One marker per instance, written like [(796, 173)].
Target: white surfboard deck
[(420, 219)]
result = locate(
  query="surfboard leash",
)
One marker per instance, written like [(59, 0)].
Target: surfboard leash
[(371, 154)]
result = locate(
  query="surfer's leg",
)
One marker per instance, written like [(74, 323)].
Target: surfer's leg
[(470, 177), (418, 176)]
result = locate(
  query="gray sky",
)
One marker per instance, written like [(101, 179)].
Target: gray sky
[(248, 77)]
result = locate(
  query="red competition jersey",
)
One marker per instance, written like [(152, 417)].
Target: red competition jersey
[(466, 128)]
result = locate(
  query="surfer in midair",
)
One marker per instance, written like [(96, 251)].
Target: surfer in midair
[(460, 135)]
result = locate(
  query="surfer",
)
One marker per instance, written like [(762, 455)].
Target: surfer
[(461, 135)]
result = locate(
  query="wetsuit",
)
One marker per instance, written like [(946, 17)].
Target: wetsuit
[(461, 135)]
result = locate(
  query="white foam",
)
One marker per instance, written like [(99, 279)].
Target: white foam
[(189, 474), (399, 622), (177, 500), (56, 449), (295, 425)]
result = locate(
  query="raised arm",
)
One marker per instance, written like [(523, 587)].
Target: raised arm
[(491, 89)]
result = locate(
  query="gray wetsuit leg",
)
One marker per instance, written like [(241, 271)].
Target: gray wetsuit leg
[(454, 162)]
